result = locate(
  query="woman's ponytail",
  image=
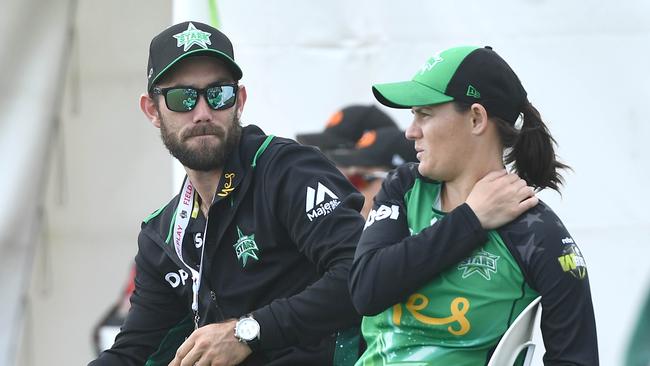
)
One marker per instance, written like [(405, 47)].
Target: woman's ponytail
[(532, 150)]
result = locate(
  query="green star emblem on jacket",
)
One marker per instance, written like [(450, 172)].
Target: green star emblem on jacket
[(245, 247)]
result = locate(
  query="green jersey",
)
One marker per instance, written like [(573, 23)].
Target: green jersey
[(454, 310)]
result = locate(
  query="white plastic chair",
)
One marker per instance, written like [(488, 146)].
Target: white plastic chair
[(517, 338)]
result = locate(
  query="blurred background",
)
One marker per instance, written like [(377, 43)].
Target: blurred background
[(81, 166)]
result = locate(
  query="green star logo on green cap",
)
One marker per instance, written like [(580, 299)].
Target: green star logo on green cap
[(431, 63), (192, 36)]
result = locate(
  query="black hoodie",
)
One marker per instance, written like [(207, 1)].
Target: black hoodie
[(301, 216)]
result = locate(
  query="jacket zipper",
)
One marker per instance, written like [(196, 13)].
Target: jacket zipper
[(213, 296)]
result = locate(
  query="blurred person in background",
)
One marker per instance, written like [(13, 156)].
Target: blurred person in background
[(346, 126), (248, 264), (364, 143), (375, 154), (109, 325), (435, 282)]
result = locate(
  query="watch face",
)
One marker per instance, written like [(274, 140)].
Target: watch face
[(248, 329)]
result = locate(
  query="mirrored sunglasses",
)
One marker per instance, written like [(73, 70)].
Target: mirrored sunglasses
[(185, 98)]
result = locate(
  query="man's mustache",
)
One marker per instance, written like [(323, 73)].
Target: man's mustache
[(204, 129)]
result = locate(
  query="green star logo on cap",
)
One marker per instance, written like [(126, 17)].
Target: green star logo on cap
[(192, 36), (245, 247), (431, 63), (481, 262)]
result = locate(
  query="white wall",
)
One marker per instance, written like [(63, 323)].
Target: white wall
[(584, 65), (107, 173)]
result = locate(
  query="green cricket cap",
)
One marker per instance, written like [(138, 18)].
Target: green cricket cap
[(467, 74)]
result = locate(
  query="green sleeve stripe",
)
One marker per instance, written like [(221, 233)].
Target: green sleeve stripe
[(171, 225), (173, 339), (154, 214), (263, 147), (346, 352)]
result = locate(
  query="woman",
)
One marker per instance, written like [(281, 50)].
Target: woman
[(435, 285)]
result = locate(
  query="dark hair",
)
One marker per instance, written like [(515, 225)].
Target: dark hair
[(530, 148)]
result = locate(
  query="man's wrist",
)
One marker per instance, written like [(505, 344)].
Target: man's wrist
[(247, 331)]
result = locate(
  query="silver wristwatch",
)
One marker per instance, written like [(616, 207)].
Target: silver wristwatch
[(247, 330)]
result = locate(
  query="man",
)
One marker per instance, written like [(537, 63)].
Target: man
[(279, 224), (248, 264)]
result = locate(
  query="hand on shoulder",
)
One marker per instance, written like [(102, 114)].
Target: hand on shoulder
[(499, 198)]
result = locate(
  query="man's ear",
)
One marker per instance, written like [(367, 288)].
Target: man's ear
[(241, 100), (148, 107), (479, 119)]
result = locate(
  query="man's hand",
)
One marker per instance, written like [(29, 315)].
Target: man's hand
[(499, 198), (212, 345)]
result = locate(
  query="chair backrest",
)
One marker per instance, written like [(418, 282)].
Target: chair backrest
[(517, 338)]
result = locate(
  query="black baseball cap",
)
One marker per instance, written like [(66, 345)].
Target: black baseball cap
[(346, 126), (188, 39), (465, 74), (384, 147)]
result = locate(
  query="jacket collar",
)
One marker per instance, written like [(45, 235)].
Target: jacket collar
[(232, 186), (239, 163)]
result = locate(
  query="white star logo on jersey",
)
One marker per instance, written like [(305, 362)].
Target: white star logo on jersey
[(481, 262)]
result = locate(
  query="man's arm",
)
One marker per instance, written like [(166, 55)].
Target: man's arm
[(155, 314), (326, 236)]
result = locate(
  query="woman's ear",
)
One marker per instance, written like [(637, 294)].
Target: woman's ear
[(479, 118)]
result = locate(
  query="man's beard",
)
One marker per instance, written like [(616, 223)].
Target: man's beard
[(207, 156)]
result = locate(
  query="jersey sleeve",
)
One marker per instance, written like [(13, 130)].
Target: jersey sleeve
[(154, 310), (555, 267), (390, 263), (319, 209)]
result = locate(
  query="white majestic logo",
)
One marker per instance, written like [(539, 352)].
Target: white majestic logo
[(431, 63), (192, 36), (382, 212), (315, 201)]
